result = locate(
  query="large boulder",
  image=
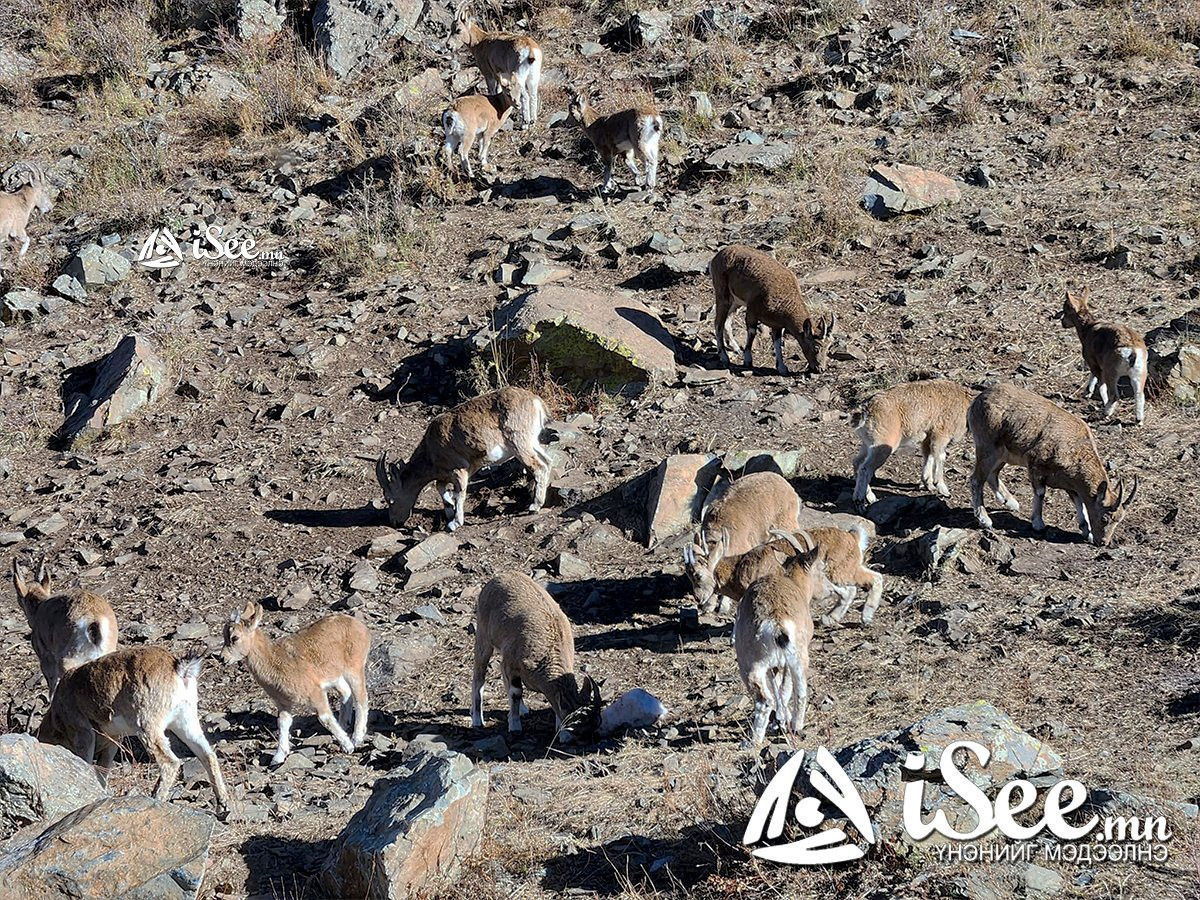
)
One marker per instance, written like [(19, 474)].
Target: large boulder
[(677, 491), (586, 337), (132, 847), (1175, 357), (892, 190), (421, 821), (353, 34), (256, 18), (111, 390), (768, 156), (41, 782)]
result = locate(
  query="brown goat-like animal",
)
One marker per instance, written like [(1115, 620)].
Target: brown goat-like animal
[(631, 133), (66, 629), (17, 207), (516, 617), (475, 116), (1014, 426), (1110, 351), (515, 60), (743, 276)]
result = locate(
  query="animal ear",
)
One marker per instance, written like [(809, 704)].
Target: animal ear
[(807, 327), (258, 614), (43, 576), (1085, 295), (247, 614), (832, 324), (19, 584)]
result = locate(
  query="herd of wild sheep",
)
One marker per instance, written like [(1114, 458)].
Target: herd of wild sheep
[(749, 558)]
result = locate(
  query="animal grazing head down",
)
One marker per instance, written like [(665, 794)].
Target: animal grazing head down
[(240, 631), (31, 593), (700, 565), (806, 552), (391, 478), (583, 722), (815, 340), (1114, 505)]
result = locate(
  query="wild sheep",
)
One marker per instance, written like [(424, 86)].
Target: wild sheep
[(17, 207), (515, 60), (66, 629), (743, 276), (840, 570), (298, 671), (1110, 351), (735, 521), (772, 633), (140, 691), (632, 133), (516, 617), (926, 414), (474, 117), (485, 431), (1011, 425)]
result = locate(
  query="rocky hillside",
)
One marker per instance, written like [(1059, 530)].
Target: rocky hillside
[(185, 436)]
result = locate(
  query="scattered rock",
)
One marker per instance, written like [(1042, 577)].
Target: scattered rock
[(96, 265), (1175, 357), (363, 578), (41, 782), (119, 847), (352, 34), (24, 304), (111, 390), (892, 190), (437, 546), (768, 156), (256, 18), (782, 462), (422, 820)]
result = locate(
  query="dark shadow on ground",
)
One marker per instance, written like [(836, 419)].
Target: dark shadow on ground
[(280, 867), (357, 517), (647, 865)]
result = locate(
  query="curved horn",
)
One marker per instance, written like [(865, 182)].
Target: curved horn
[(381, 473), (689, 555), (1132, 491), (833, 323), (780, 535)]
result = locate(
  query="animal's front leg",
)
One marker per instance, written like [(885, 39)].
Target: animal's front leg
[(460, 498)]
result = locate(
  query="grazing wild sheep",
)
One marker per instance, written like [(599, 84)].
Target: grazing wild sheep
[(840, 570), (474, 117), (517, 618), (17, 207), (515, 60), (1110, 351), (143, 692), (771, 636), (735, 521), (66, 630), (298, 671), (631, 133), (485, 431), (926, 414), (743, 276), (1014, 426)]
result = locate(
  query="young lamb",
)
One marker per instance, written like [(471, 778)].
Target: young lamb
[(484, 431), (17, 207), (143, 692), (840, 570), (66, 629), (1014, 426), (298, 671), (1110, 351), (515, 60), (517, 618), (734, 522), (474, 117), (926, 414), (743, 276), (631, 133), (771, 636)]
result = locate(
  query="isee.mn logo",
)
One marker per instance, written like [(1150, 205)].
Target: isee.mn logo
[(833, 786), (161, 250)]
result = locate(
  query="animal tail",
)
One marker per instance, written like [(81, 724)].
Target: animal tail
[(451, 121), (188, 665), (95, 629)]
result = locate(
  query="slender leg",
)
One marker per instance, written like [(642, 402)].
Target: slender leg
[(939, 469), (633, 167), (874, 595), (362, 709), (762, 708), (483, 656), (515, 697), (1081, 517), (606, 185), (928, 480), (1039, 500), (1002, 492), (1137, 378), (652, 168), (1110, 388), (168, 764), (978, 476), (325, 715), (872, 459), (800, 699), (464, 152), (751, 333), (187, 728), (285, 738), (845, 595), (777, 339), (460, 498), (1093, 383)]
